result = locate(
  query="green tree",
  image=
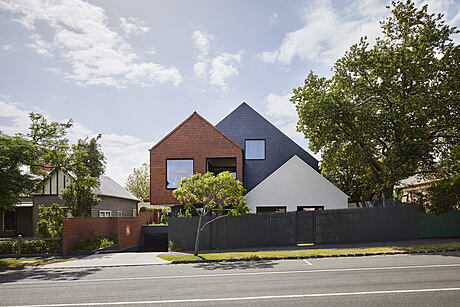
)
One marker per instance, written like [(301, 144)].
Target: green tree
[(23, 155), (205, 193), (444, 195), (85, 165), (50, 223), (390, 110), (138, 182)]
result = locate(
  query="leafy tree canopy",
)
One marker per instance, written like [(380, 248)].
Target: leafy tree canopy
[(390, 110), (23, 155), (85, 166), (138, 182), (204, 193)]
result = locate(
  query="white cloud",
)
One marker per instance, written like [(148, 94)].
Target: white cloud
[(40, 46), (152, 51), (214, 69), (201, 41), (283, 114), (80, 35), (7, 47), (273, 18), (133, 26), (123, 152), (222, 67), (328, 32)]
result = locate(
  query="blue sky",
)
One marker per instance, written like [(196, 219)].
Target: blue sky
[(133, 70)]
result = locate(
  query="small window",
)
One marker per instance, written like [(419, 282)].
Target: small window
[(119, 213), (309, 208), (9, 220), (105, 213), (176, 170), (270, 209), (254, 149)]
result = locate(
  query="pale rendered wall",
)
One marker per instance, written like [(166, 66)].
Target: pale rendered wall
[(294, 184)]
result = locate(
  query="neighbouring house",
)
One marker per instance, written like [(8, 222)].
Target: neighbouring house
[(278, 174), (114, 201), (410, 187)]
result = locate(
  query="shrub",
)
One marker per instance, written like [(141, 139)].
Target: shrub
[(50, 224), (172, 247), (30, 247), (94, 243), (40, 247), (9, 247), (149, 209), (165, 215)]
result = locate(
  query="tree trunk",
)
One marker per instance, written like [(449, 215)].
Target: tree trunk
[(198, 230), (387, 194)]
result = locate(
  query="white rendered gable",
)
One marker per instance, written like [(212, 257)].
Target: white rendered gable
[(294, 184)]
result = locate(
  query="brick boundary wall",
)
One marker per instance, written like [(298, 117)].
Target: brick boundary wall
[(128, 229)]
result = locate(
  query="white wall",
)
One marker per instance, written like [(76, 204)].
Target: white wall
[(294, 184)]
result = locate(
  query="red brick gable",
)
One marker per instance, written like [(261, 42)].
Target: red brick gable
[(195, 138)]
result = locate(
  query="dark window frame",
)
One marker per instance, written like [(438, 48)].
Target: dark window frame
[(166, 169), (315, 208), (270, 207), (265, 149), (213, 158)]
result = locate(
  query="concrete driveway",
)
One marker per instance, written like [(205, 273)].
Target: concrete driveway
[(112, 259)]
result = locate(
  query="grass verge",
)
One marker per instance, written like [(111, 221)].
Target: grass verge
[(312, 252), (21, 263)]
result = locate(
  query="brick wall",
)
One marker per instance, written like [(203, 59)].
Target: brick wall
[(195, 139), (128, 229)]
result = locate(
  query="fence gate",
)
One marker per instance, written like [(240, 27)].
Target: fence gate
[(305, 227)]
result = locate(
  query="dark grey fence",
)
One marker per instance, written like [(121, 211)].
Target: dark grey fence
[(289, 229), (366, 225)]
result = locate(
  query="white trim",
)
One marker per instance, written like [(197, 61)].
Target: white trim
[(105, 213)]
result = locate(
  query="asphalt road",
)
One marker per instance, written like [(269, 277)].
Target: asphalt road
[(403, 280)]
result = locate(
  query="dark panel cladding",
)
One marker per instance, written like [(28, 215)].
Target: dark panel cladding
[(245, 123)]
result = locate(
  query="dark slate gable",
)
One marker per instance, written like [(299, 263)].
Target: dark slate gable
[(245, 123)]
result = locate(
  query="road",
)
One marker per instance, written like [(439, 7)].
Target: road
[(399, 280)]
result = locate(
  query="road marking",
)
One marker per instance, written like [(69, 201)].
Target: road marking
[(231, 274), (307, 262), (251, 298)]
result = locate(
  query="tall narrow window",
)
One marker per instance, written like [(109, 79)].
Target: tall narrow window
[(254, 149), (176, 170)]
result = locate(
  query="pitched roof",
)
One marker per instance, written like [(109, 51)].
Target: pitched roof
[(244, 123), (108, 187), (194, 114)]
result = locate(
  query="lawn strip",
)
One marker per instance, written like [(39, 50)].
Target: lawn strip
[(312, 252), (21, 263)]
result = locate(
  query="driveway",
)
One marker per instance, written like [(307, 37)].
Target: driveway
[(111, 259)]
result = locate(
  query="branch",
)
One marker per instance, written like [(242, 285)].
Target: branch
[(219, 217)]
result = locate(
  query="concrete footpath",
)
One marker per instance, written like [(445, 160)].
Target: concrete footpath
[(110, 260)]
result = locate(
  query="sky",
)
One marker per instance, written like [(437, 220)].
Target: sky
[(133, 70)]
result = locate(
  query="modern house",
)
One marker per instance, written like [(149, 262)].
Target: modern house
[(114, 201), (278, 174)]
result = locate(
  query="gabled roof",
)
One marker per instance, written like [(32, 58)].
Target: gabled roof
[(246, 108), (244, 123), (297, 182), (108, 187), (194, 114)]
